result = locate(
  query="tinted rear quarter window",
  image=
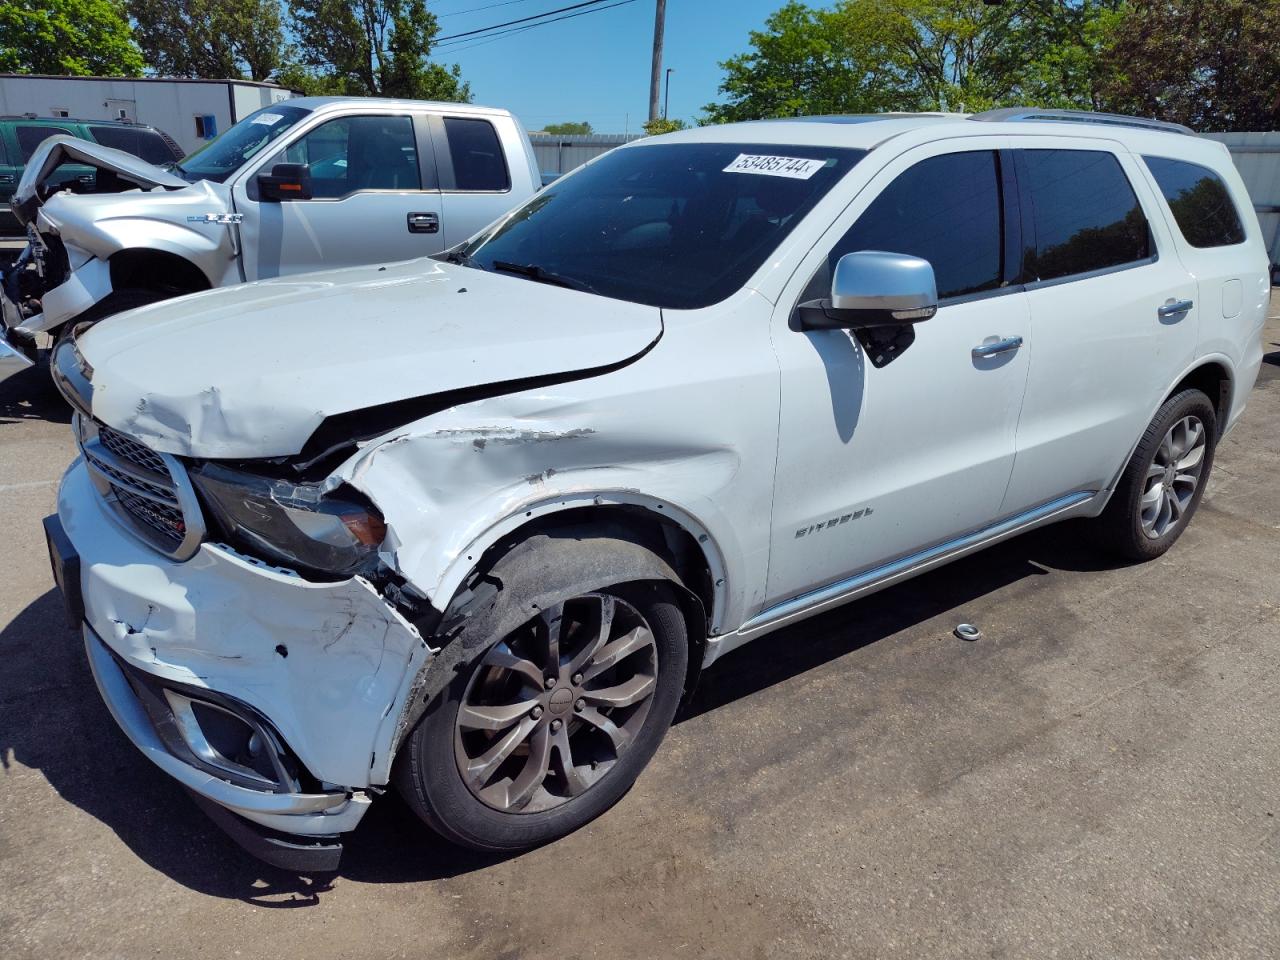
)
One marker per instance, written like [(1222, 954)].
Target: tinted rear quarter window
[(1084, 213), (946, 210), (478, 162), (31, 136), (147, 144), (1200, 202)]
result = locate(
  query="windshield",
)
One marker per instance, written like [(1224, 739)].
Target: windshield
[(220, 158), (679, 225)]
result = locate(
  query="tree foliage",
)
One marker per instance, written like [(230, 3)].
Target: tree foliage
[(660, 125), (1211, 64), (76, 37), (569, 129), (371, 48), (868, 56), (210, 38)]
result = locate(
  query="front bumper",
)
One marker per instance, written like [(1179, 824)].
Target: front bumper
[(325, 667)]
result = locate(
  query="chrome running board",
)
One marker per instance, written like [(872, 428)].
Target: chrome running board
[(834, 594)]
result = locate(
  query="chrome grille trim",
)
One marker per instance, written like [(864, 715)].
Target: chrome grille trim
[(148, 492)]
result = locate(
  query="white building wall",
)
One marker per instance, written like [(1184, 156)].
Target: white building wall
[(170, 105)]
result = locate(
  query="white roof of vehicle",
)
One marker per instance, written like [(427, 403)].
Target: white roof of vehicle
[(866, 131)]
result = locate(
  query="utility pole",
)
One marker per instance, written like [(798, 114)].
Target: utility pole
[(655, 76)]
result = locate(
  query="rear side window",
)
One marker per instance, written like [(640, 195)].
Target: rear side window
[(1084, 213), (478, 162), (946, 210), (1200, 202), (31, 136), (148, 145)]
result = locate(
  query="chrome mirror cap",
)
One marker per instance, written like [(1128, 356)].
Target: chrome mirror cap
[(892, 283)]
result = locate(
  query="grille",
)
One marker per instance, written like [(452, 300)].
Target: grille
[(131, 450), (148, 490)]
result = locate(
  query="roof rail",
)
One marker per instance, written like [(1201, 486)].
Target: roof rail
[(1007, 114)]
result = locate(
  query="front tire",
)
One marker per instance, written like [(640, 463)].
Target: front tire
[(553, 723), (1164, 481)]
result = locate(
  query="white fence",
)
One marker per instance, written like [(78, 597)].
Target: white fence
[(561, 153), (1257, 157)]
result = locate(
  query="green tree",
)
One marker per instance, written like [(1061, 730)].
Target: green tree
[(370, 48), (870, 56), (76, 37), (210, 38), (569, 129), (660, 125), (1211, 64)]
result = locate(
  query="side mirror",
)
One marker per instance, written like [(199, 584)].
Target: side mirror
[(879, 296), (286, 181), (872, 288)]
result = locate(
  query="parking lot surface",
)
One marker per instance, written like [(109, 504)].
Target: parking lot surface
[(1095, 777)]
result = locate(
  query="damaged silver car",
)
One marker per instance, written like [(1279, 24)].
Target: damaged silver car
[(298, 186), (472, 526)]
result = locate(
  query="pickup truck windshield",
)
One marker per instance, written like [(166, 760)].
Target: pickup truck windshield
[(680, 225), (220, 158)]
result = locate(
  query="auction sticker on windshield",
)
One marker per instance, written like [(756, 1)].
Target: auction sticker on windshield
[(797, 168), (268, 119)]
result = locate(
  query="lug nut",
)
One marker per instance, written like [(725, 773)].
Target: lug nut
[(556, 725), (536, 712), (580, 705), (551, 682), (577, 678)]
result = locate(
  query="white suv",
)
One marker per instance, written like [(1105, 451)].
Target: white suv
[(475, 524)]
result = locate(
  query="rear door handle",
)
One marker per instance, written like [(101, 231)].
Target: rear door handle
[(6, 178), (424, 223), (984, 350), (1173, 308)]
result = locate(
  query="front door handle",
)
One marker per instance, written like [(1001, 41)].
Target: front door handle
[(984, 350), (424, 223), (1173, 308)]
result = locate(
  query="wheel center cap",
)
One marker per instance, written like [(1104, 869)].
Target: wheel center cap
[(560, 700)]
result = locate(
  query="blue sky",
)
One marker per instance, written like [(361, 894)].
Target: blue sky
[(596, 67)]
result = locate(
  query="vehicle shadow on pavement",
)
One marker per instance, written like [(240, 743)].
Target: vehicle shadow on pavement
[(52, 721), (30, 395)]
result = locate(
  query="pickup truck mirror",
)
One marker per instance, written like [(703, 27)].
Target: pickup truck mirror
[(879, 296), (286, 181)]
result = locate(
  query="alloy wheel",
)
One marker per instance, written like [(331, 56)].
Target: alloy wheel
[(1173, 477), (550, 709)]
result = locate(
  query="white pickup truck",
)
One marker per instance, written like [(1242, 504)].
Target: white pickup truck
[(304, 185)]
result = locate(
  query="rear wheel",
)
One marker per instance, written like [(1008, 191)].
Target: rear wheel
[(1164, 481), (551, 726)]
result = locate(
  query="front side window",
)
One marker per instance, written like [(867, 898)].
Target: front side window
[(478, 161), (31, 136), (947, 210), (146, 144), (1200, 202), (675, 225), (352, 154), (220, 158), (1084, 213)]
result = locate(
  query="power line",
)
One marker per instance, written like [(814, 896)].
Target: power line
[(466, 44), (489, 6), (536, 16)]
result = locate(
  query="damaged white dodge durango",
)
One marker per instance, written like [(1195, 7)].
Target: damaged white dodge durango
[(473, 525)]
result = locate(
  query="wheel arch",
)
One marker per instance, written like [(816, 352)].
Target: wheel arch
[(1213, 377), (141, 266)]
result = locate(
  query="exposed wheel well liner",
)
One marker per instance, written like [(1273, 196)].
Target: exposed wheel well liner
[(155, 270), (553, 559)]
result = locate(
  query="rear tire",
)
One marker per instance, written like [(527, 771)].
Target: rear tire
[(1165, 479), (530, 742)]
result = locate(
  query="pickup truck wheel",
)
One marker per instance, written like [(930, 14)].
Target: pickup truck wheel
[(552, 724), (1162, 485)]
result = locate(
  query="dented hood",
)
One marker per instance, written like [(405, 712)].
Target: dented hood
[(67, 149), (251, 370)]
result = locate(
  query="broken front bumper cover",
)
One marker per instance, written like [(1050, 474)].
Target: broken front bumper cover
[(321, 816)]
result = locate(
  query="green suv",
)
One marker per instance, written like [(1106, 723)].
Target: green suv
[(19, 136)]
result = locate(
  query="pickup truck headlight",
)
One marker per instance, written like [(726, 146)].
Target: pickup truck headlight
[(295, 524)]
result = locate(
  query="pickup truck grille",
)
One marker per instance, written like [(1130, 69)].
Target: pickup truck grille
[(149, 492)]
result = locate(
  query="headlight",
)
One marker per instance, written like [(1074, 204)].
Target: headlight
[(295, 524)]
